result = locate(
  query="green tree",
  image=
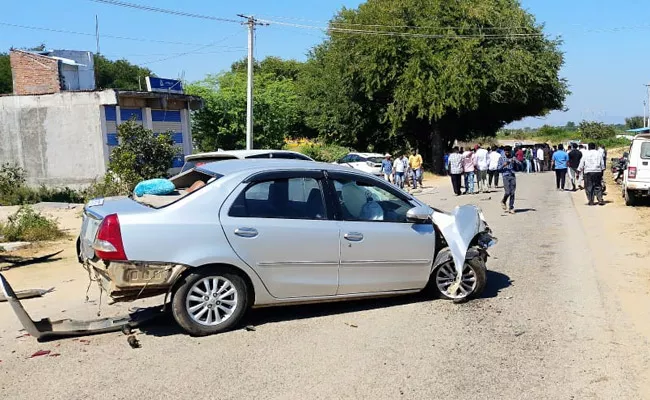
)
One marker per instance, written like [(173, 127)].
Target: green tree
[(634, 122), (119, 74), (449, 79), (141, 155), (6, 81), (222, 121), (596, 130), (570, 126)]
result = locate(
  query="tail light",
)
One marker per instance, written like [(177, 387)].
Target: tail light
[(108, 243), (631, 172)]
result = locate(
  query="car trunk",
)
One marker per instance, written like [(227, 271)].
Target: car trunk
[(642, 161)]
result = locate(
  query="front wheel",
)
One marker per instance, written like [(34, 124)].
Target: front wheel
[(472, 283), (210, 301)]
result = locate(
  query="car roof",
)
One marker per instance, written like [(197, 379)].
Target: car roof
[(643, 136), (227, 167), (236, 153), (368, 154)]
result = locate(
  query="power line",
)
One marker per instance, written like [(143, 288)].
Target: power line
[(191, 51), (37, 28), (163, 10)]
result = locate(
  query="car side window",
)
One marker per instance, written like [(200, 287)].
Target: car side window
[(362, 201), (354, 158), (294, 198), (645, 150), (345, 159)]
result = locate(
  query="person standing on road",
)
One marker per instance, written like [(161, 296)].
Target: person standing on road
[(574, 162), (482, 164), (539, 159), (469, 160), (415, 162), (507, 167), (455, 169), (387, 167), (560, 161), (592, 166), (398, 171), (547, 158), (493, 167), (529, 159), (520, 156)]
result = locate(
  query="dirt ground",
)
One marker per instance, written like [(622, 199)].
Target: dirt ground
[(564, 316)]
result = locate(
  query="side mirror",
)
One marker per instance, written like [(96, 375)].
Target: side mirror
[(419, 214)]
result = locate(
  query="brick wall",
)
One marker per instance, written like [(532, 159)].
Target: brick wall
[(34, 74)]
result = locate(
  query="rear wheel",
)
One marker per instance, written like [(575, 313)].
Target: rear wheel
[(472, 283), (210, 301), (630, 197)]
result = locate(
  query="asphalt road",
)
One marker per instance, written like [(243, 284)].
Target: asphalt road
[(543, 330)]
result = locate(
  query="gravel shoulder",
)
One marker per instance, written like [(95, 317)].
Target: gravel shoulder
[(554, 323)]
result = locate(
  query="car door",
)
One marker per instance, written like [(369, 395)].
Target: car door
[(278, 224), (380, 250)]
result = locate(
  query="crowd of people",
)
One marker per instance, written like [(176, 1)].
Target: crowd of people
[(477, 169), (404, 170)]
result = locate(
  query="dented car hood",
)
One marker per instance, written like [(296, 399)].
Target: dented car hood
[(459, 228)]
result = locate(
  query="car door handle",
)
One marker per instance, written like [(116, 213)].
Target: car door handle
[(246, 232), (353, 236)]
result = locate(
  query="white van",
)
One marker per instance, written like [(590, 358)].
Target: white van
[(636, 179)]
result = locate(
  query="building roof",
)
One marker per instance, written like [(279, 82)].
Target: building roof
[(638, 130)]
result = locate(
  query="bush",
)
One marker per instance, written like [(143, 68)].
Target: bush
[(596, 131), (13, 190), (108, 186), (320, 151), (28, 225)]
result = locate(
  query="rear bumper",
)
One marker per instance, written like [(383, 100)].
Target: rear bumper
[(643, 186)]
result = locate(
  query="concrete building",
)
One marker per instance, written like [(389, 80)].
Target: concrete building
[(65, 139)]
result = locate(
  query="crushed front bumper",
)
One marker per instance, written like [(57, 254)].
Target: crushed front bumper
[(46, 329)]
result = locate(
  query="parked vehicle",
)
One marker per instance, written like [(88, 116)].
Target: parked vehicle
[(195, 160), (263, 233), (636, 178), (366, 162)]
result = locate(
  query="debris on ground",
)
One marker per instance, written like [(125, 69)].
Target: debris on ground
[(133, 342), (23, 335), (351, 325), (15, 261), (126, 330), (55, 354), (250, 328), (28, 294), (517, 334), (40, 353)]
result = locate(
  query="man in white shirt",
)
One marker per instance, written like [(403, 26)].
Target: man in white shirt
[(539, 159), (592, 166), (493, 167), (482, 164), (399, 168), (581, 178)]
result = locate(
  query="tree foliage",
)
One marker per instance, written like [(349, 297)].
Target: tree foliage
[(428, 91), (6, 83), (634, 122), (119, 74), (141, 155), (596, 130), (277, 110)]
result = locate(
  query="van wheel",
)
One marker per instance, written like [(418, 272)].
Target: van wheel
[(630, 198), (472, 284), (210, 301)]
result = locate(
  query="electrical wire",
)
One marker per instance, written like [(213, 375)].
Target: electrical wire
[(93, 34), (191, 51), (164, 11)]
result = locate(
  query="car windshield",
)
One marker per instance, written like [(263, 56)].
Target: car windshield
[(197, 162), (376, 160)]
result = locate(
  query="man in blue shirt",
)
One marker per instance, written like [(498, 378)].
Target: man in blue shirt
[(560, 164), (507, 168), (387, 167)]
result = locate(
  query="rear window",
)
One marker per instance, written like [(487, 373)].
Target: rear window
[(197, 162), (291, 156), (645, 150), (376, 160)]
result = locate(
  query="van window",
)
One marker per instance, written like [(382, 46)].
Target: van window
[(645, 150)]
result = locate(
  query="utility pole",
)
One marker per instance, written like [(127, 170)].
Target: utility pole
[(251, 22), (97, 32), (647, 123)]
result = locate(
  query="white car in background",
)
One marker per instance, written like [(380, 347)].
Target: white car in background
[(366, 162), (195, 160), (636, 178)]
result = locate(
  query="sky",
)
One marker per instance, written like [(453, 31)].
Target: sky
[(606, 46)]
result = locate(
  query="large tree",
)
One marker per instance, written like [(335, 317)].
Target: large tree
[(277, 111), (427, 72), (634, 122), (6, 84)]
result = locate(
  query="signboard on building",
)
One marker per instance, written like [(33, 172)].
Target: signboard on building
[(155, 84)]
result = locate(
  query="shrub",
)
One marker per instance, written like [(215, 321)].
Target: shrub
[(108, 186), (321, 151), (29, 225), (596, 131), (13, 190)]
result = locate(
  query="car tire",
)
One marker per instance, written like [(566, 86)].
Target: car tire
[(474, 267), (197, 313), (630, 198)]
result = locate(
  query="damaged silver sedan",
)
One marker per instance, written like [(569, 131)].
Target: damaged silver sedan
[(270, 232)]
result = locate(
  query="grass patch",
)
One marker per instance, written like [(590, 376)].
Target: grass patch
[(30, 226)]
